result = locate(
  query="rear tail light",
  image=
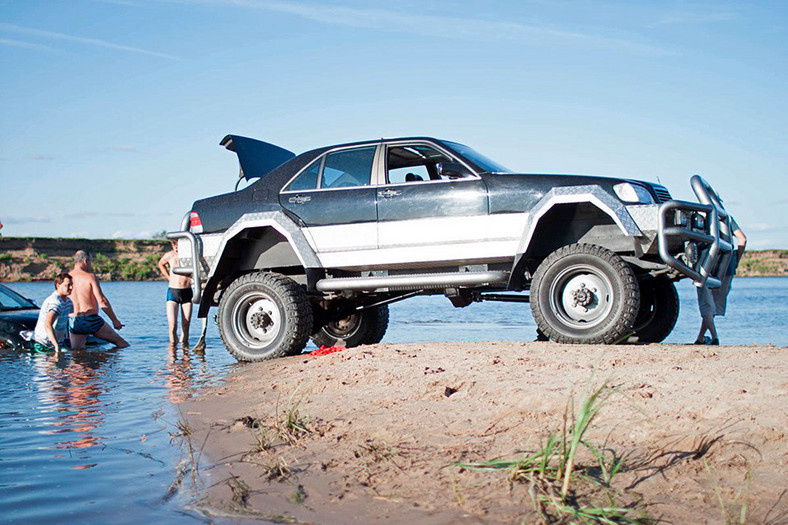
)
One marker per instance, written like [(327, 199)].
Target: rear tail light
[(195, 224)]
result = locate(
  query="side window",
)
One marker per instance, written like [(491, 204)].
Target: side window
[(345, 169), (308, 178), (408, 174), (413, 163)]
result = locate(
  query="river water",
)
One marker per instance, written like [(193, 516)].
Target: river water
[(92, 437)]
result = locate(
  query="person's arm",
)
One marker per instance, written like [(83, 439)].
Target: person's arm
[(103, 302), (165, 259), (742, 243), (49, 327)]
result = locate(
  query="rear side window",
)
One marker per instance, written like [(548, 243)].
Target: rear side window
[(308, 178), (345, 169)]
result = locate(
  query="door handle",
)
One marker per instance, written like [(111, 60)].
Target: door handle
[(389, 193), (299, 199)]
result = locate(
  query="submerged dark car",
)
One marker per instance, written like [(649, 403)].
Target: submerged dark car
[(17, 314)]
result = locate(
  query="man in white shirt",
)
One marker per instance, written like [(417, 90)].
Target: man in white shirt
[(51, 328)]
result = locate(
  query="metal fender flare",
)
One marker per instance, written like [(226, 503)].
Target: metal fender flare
[(279, 222), (593, 194), (578, 194), (201, 273)]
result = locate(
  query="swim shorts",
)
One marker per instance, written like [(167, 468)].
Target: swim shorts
[(180, 295), (85, 325)]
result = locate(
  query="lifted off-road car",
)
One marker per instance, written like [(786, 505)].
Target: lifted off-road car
[(319, 244)]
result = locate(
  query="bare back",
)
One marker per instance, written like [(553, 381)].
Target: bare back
[(86, 292)]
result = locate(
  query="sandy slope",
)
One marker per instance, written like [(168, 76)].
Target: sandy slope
[(386, 421)]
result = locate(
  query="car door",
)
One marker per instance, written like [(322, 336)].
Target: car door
[(425, 214), (334, 199)]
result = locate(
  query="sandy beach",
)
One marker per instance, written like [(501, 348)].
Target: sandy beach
[(390, 433)]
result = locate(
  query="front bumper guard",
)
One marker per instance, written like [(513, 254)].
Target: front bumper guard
[(713, 240)]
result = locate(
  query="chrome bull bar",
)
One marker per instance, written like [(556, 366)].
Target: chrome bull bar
[(196, 248), (677, 221)]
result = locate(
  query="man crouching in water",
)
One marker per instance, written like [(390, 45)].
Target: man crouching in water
[(87, 298)]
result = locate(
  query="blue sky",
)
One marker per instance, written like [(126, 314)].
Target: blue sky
[(111, 111)]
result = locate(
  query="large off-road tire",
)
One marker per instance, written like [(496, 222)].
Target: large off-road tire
[(264, 316), (583, 293), (659, 310), (366, 327)]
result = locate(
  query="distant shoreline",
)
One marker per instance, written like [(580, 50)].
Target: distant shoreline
[(26, 259)]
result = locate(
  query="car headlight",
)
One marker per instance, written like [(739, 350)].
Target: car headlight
[(633, 193)]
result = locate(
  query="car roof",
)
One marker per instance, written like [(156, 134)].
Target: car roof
[(374, 142)]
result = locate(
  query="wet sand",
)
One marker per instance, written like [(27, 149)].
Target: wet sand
[(699, 431)]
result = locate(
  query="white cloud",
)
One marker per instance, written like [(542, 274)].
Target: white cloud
[(431, 25), (761, 227), (27, 45), (697, 14), (121, 149), (52, 35), (92, 214), (756, 243), (27, 220)]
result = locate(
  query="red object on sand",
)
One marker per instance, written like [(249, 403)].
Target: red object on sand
[(325, 350)]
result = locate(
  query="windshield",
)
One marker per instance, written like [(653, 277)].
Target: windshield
[(10, 300), (477, 158)]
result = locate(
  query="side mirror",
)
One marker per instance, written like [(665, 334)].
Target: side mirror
[(452, 170)]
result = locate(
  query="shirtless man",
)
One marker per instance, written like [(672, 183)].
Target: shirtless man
[(87, 298), (179, 296)]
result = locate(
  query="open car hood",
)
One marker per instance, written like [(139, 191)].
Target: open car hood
[(255, 156)]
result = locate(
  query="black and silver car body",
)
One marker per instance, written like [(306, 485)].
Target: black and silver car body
[(17, 315), (343, 231)]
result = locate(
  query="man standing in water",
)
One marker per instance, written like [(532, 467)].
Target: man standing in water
[(179, 296), (87, 298)]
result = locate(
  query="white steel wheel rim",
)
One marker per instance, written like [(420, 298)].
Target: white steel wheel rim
[(581, 296), (256, 320)]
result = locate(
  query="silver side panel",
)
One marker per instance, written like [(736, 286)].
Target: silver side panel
[(456, 240), (468, 253), (342, 237)]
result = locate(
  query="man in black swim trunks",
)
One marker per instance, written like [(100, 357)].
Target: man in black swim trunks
[(87, 298), (179, 296)]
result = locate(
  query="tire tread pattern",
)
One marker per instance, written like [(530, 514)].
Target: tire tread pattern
[(297, 315), (630, 297)]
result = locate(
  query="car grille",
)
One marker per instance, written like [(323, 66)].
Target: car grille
[(663, 195)]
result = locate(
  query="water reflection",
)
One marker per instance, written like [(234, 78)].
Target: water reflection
[(184, 368), (71, 387)]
